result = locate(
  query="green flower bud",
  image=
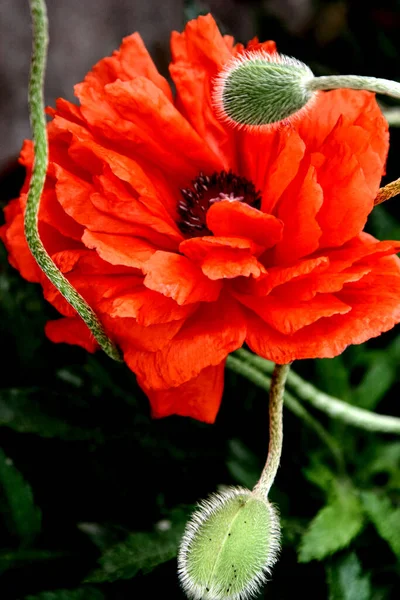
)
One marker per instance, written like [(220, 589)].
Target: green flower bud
[(229, 546), (258, 89)]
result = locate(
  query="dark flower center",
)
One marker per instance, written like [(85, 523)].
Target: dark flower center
[(205, 191)]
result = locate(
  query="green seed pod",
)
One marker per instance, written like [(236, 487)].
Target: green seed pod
[(260, 89), (229, 546)]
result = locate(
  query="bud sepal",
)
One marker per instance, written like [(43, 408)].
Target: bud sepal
[(229, 546)]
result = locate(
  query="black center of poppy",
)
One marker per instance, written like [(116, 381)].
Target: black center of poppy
[(205, 191)]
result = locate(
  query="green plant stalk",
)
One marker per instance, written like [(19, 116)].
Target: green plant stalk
[(264, 382), (335, 408), (39, 134), (354, 82), (276, 395)]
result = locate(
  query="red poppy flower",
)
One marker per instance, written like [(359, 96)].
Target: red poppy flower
[(189, 238)]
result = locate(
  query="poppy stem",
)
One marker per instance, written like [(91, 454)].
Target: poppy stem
[(388, 191), (263, 381), (354, 82), (39, 134), (335, 408), (276, 396)]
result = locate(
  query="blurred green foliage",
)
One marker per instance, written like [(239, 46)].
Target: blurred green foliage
[(94, 495)]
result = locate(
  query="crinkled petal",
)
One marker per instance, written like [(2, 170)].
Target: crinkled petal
[(175, 276), (228, 218), (375, 308), (146, 306), (207, 338), (198, 398), (71, 331), (119, 249), (298, 209), (288, 315), (197, 55)]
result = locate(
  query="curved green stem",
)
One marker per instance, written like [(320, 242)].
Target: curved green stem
[(392, 116), (38, 124), (263, 381), (276, 394), (355, 82), (352, 415)]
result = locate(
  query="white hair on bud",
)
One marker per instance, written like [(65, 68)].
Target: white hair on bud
[(206, 509), (253, 57)]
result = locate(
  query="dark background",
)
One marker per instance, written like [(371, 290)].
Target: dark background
[(76, 427)]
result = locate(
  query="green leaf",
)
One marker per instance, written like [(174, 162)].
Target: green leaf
[(139, 552), (83, 593), (346, 581), (25, 411), (385, 460), (385, 517), (334, 527), (378, 379), (16, 502)]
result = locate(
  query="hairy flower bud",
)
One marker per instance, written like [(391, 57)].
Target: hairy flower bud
[(258, 89), (229, 546)]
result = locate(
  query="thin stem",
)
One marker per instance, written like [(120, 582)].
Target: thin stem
[(38, 125), (388, 191), (352, 415), (392, 116), (355, 82), (263, 381), (276, 394)]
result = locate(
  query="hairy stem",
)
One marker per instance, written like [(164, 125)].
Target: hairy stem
[(263, 381), (388, 191), (276, 394), (355, 82), (39, 134), (352, 415)]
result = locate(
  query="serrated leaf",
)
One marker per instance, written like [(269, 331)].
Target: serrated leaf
[(346, 580), (334, 527), (385, 517), (23, 410), (139, 552), (22, 515), (83, 593)]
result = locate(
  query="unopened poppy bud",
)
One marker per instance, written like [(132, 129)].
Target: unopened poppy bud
[(229, 546), (259, 89)]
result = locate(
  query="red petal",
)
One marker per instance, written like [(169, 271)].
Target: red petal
[(354, 108), (298, 209), (71, 331), (134, 338), (130, 61), (206, 339), (227, 218), (221, 257), (119, 249), (198, 398), (146, 306), (197, 55), (174, 276), (176, 147), (289, 315), (276, 276), (270, 160), (375, 309)]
